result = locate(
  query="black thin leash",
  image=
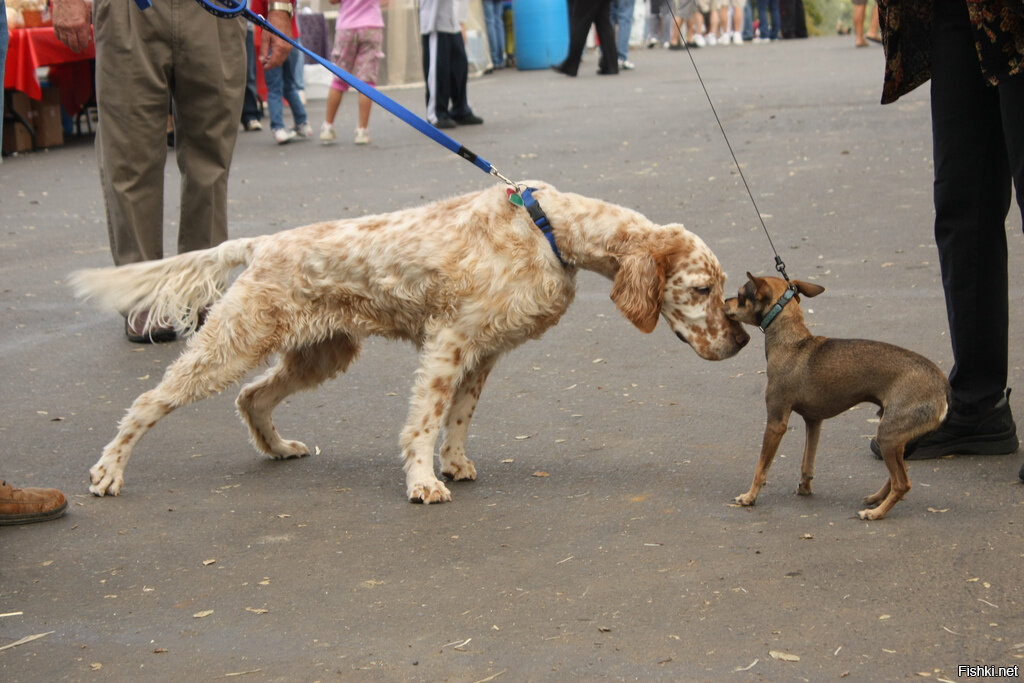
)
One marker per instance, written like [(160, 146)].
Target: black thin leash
[(779, 265)]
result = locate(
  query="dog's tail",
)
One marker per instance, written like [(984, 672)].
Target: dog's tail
[(175, 291)]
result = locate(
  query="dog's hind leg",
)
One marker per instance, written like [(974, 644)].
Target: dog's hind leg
[(813, 433), (899, 482), (205, 368), (454, 463), (297, 369)]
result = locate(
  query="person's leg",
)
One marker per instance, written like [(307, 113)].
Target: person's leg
[(859, 9), (624, 22), (207, 104), (873, 32), (773, 8), (4, 39), (291, 89), (458, 70), (495, 31), (606, 36), (972, 197), (437, 78), (251, 109), (274, 79), (131, 132), (581, 16), (334, 96)]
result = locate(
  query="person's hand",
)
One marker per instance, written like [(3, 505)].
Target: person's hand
[(273, 50), (72, 23)]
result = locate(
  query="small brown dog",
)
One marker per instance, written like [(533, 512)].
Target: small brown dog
[(820, 377)]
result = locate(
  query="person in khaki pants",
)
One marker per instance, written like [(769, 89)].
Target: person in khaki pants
[(174, 51)]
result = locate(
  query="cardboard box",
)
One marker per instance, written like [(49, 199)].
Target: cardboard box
[(46, 119), (16, 136)]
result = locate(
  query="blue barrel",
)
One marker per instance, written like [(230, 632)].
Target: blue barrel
[(541, 33)]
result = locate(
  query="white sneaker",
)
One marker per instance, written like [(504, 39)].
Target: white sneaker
[(304, 130), (711, 40), (284, 136), (698, 40), (626, 65), (327, 134), (737, 38), (362, 136), (253, 124)]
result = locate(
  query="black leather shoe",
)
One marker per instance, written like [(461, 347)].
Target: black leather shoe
[(990, 433), (444, 123), (560, 68), (468, 120), (156, 335)]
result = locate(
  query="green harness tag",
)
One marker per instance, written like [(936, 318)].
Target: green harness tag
[(515, 199)]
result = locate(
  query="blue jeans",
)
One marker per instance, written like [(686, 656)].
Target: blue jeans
[(748, 21), (764, 8), (252, 108), (494, 20), (281, 84), (622, 16)]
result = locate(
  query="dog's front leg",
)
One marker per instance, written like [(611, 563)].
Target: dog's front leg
[(774, 430), (454, 463), (442, 364)]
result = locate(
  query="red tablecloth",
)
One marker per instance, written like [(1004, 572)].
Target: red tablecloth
[(31, 48)]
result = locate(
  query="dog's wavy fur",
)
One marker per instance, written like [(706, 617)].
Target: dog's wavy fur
[(466, 279)]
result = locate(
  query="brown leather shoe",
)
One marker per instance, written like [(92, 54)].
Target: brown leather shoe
[(24, 506), (156, 335)]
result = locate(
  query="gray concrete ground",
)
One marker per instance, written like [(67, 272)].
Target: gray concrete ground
[(627, 561)]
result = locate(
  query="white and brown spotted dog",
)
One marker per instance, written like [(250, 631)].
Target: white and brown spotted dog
[(465, 279)]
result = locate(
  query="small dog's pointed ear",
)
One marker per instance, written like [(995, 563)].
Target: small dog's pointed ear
[(638, 290), (759, 286), (808, 289)]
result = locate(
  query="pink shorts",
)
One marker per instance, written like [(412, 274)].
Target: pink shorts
[(357, 51)]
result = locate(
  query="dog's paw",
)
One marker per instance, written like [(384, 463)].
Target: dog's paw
[(104, 481), (804, 489), (746, 499), (429, 492), (288, 450), (871, 514), (459, 471)]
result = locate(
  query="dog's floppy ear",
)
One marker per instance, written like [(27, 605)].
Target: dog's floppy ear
[(638, 290), (808, 289)]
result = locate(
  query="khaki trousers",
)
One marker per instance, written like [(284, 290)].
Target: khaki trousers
[(174, 49)]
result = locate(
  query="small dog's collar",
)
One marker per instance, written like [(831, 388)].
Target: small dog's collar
[(774, 311)]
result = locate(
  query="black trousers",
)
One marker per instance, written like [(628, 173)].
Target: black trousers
[(583, 13), (978, 147), (446, 73)]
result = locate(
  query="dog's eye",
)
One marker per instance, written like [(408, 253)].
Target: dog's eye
[(703, 291)]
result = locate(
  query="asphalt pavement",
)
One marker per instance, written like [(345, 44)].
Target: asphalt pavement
[(599, 541)]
